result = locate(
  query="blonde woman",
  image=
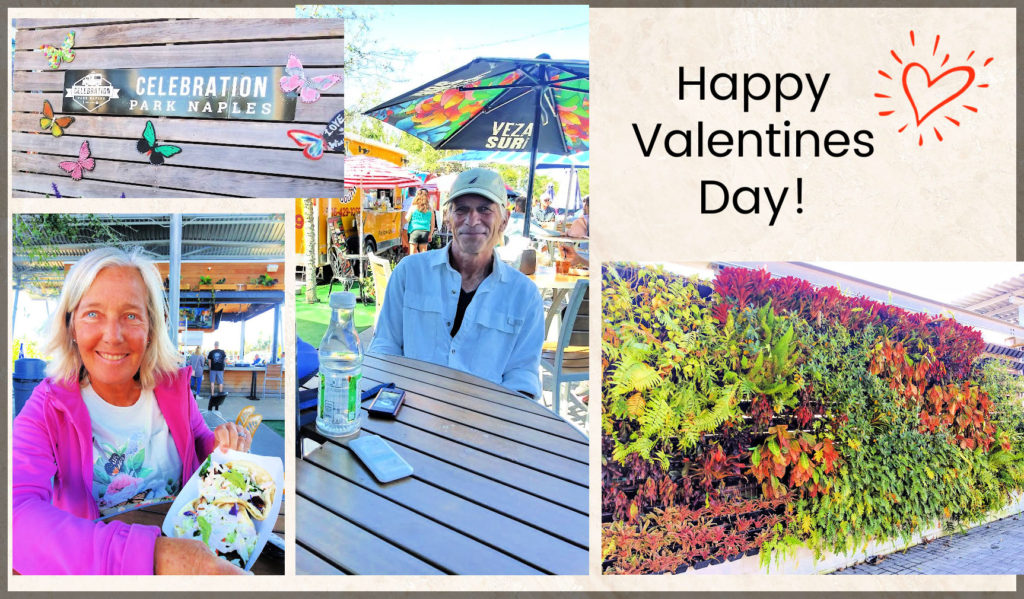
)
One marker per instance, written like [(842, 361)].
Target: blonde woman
[(420, 223), (113, 426)]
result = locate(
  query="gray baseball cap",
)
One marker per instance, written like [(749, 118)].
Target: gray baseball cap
[(480, 181)]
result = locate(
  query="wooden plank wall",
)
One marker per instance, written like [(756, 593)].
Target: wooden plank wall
[(219, 157)]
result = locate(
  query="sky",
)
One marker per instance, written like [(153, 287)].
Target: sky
[(443, 38), (941, 281)]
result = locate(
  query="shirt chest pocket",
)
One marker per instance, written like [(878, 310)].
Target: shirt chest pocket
[(495, 334), (422, 326)]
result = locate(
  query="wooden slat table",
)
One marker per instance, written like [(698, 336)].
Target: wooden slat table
[(500, 485), (271, 561)]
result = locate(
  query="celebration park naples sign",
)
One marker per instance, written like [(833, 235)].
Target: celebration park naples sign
[(228, 93)]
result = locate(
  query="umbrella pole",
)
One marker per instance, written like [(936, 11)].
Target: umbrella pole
[(359, 231), (534, 143)]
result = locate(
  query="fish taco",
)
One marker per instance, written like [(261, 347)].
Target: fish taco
[(224, 527), (239, 480)]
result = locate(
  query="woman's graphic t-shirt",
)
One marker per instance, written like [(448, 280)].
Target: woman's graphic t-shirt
[(135, 461)]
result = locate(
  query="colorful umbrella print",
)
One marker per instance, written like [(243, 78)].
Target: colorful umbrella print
[(581, 160), (498, 104)]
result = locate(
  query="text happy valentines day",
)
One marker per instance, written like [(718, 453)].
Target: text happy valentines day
[(782, 90)]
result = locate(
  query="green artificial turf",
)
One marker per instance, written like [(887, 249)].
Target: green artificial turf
[(311, 320), (275, 425)]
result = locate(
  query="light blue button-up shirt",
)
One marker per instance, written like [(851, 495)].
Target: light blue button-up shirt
[(501, 333)]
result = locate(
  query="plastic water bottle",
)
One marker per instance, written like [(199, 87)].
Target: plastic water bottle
[(341, 364)]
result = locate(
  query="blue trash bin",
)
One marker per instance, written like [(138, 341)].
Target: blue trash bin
[(28, 372)]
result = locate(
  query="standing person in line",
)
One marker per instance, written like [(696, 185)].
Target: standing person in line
[(420, 223), (217, 359), (461, 306), (197, 362)]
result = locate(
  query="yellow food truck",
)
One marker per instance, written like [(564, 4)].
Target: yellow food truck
[(337, 219)]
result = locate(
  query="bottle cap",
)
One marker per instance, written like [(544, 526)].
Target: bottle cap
[(343, 299)]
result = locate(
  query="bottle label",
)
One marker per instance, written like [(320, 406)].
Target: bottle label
[(321, 396), (353, 396), (332, 403)]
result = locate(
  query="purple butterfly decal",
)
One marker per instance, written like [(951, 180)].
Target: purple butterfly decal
[(308, 88), (85, 161)]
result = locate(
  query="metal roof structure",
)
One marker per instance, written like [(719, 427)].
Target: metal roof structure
[(1004, 301), (205, 237)]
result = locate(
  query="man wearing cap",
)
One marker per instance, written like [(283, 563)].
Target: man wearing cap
[(461, 306), (544, 212)]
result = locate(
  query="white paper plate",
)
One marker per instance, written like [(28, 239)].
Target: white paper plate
[(265, 527)]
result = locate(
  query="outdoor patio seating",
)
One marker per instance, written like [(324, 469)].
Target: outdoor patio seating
[(568, 358), (381, 269), (275, 375)]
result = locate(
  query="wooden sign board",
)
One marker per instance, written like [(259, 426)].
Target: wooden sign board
[(228, 148), (250, 93)]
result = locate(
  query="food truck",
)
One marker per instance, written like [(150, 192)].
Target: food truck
[(337, 219)]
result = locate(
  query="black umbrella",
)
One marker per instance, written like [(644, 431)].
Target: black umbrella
[(499, 104)]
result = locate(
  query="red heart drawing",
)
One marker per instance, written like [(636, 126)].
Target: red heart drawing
[(931, 82)]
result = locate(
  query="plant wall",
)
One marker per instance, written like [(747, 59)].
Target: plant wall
[(757, 415)]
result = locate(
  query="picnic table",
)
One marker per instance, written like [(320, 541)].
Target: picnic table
[(499, 485), (270, 561)]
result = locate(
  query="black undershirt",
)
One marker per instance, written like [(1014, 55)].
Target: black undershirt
[(464, 298)]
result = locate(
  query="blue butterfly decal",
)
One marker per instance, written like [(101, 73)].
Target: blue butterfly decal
[(311, 143)]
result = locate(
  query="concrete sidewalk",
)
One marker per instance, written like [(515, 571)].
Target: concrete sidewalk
[(993, 548), (272, 408)]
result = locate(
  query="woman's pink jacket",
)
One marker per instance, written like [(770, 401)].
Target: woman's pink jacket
[(54, 527)]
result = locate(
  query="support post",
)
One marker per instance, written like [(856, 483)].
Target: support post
[(174, 279)]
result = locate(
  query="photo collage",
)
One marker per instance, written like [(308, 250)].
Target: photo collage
[(305, 294)]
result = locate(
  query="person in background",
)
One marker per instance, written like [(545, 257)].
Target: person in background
[(113, 427), (217, 359), (420, 223), (580, 228), (258, 361), (461, 306), (579, 256), (196, 362), (544, 212)]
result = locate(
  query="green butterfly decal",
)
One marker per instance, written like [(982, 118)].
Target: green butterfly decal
[(148, 144)]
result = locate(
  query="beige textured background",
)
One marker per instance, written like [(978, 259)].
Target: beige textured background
[(635, 56), (953, 200)]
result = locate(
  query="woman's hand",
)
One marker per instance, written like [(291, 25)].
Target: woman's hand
[(189, 556), (231, 436)]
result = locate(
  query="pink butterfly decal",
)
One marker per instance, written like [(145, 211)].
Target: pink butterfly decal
[(308, 88), (84, 162), (312, 144)]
